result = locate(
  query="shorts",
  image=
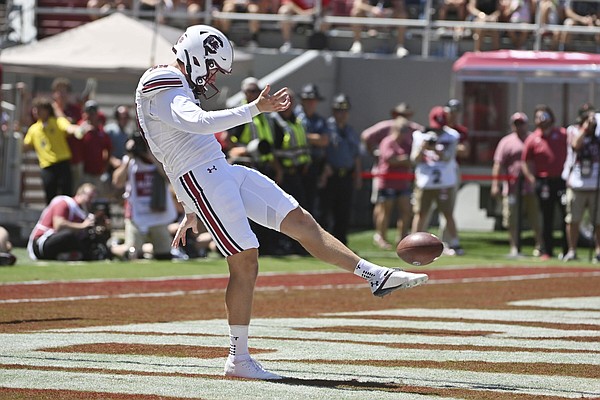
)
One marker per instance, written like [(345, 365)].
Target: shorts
[(577, 202), (529, 207), (224, 196), (444, 198), (392, 194), (158, 235)]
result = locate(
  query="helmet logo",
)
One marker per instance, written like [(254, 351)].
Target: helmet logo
[(212, 44)]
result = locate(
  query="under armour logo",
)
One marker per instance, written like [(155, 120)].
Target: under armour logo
[(210, 170)]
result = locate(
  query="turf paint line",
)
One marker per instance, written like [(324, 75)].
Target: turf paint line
[(177, 293)]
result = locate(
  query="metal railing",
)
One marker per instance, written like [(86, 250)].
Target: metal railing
[(426, 25)]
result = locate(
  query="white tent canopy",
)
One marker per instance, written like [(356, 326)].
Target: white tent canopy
[(114, 47)]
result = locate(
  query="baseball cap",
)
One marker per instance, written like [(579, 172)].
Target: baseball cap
[(437, 117), (403, 109), (91, 105), (454, 105), (310, 91), (341, 102), (249, 82), (519, 117)]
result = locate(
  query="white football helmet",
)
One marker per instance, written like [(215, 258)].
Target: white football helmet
[(204, 51)]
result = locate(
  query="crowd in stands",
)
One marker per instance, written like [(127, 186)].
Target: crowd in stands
[(567, 13), (92, 164)]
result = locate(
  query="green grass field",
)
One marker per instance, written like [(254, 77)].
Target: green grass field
[(482, 248)]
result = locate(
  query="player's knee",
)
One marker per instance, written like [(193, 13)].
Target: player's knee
[(299, 224)]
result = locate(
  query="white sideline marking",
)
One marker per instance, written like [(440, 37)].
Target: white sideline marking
[(277, 288), (580, 303)]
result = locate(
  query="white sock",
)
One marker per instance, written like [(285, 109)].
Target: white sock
[(238, 340), (367, 270)]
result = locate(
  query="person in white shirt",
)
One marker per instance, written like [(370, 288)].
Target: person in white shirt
[(581, 173), (180, 134), (436, 175)]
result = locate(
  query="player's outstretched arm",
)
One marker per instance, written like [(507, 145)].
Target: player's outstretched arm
[(278, 101)]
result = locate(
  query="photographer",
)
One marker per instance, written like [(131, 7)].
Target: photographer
[(66, 229), (436, 174), (582, 182), (149, 207)]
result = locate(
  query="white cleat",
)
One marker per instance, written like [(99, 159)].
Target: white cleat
[(248, 368), (395, 279)]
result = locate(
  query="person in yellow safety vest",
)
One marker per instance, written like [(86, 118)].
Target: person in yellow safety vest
[(293, 153), (253, 142)]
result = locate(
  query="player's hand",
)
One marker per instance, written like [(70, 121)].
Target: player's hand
[(278, 101), (189, 221)]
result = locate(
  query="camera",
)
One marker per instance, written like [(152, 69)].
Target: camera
[(136, 146), (431, 139)]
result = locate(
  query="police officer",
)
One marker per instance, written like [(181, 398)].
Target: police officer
[(341, 174), (317, 134)]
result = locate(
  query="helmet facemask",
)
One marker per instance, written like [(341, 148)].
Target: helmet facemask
[(204, 51)]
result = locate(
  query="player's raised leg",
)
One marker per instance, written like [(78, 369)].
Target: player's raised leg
[(301, 226)]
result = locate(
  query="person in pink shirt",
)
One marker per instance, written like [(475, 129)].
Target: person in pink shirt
[(544, 155), (394, 191), (507, 161)]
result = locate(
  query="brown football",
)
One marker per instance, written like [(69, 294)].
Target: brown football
[(420, 248)]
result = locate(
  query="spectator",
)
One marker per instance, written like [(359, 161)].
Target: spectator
[(583, 13), (517, 12), (453, 109), (97, 151), (317, 135), (259, 132), (434, 155), (483, 11), (67, 230), (252, 146), (143, 220), (6, 257), (551, 13), (544, 155), (119, 131), (379, 9), (371, 137), (245, 6), (100, 8), (48, 137), (342, 172), (394, 192), (65, 105), (582, 179), (452, 10), (507, 161), (299, 7), (452, 112), (291, 149)]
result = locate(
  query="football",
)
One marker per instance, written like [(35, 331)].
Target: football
[(420, 248)]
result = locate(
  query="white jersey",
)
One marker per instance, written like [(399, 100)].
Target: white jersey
[(138, 193), (437, 170), (179, 133)]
